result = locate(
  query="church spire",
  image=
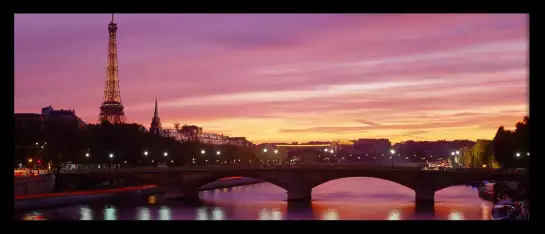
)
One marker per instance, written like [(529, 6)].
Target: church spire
[(155, 127), (156, 113)]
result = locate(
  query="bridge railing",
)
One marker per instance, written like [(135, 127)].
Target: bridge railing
[(351, 167)]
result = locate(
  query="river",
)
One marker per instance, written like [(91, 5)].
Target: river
[(343, 199)]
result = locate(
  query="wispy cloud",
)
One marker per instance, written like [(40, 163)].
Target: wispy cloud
[(286, 77)]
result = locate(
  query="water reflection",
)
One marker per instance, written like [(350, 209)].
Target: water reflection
[(218, 214), (394, 215), (455, 215), (110, 213), (164, 213), (201, 214), (330, 214), (485, 209), (346, 199), (86, 213), (144, 213), (33, 216), (270, 214)]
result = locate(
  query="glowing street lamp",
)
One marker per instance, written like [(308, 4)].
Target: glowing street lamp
[(111, 155), (165, 154), (457, 152), (518, 155), (218, 152), (86, 154), (275, 151), (265, 150), (392, 151), (145, 153), (202, 151), (453, 153), (29, 160)]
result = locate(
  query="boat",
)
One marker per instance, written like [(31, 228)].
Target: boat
[(487, 191), (506, 210)]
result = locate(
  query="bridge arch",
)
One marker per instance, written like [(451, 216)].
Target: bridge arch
[(212, 177), (402, 183)]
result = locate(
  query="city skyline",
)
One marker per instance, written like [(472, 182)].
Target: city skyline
[(286, 77)]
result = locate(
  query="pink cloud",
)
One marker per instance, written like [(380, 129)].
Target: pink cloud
[(285, 68)]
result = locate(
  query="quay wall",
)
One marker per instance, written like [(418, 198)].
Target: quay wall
[(45, 200)]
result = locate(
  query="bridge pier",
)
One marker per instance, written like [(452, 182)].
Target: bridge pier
[(425, 198), (299, 194)]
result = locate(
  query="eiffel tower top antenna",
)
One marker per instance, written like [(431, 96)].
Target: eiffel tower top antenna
[(112, 18)]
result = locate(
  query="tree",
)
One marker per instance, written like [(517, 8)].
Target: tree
[(508, 143), (467, 157), (482, 153), (63, 139), (177, 126)]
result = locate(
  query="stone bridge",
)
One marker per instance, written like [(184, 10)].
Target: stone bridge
[(298, 182)]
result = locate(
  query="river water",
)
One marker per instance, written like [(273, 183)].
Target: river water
[(343, 199)]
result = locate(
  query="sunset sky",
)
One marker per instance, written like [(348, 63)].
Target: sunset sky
[(285, 77)]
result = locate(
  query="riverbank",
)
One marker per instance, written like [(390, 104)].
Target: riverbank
[(48, 200)]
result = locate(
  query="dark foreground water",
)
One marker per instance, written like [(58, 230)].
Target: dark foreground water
[(344, 199)]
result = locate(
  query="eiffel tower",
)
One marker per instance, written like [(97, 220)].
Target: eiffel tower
[(112, 108)]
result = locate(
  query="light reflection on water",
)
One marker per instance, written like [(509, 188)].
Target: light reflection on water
[(344, 199), (144, 213), (110, 213), (86, 213), (394, 215)]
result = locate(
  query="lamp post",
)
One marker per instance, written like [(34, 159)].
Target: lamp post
[(276, 153), (265, 153), (87, 159), (111, 159), (111, 168), (392, 157)]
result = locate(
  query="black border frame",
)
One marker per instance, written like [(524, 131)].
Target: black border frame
[(310, 7)]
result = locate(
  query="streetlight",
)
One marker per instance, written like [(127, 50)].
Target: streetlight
[(265, 150), (452, 153), (87, 155), (218, 152), (528, 154), (392, 151), (111, 158), (518, 155), (202, 151), (29, 160), (146, 153), (165, 154)]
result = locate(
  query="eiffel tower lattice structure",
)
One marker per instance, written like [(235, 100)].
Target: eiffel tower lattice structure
[(112, 108)]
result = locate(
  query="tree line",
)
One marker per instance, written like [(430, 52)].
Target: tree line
[(508, 149), (61, 142)]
